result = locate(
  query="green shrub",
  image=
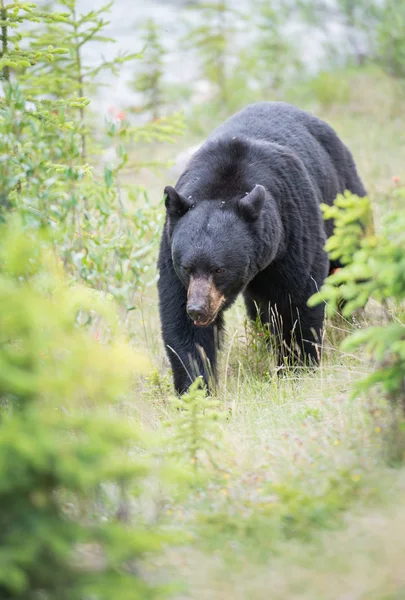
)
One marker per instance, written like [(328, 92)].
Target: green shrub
[(282, 511), (390, 52), (62, 439), (328, 89), (270, 59), (104, 233), (67, 75), (196, 430), (212, 38), (374, 268), (103, 240), (149, 79)]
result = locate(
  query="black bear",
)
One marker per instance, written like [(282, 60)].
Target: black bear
[(245, 217)]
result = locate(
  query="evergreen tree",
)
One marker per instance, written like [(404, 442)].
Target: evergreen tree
[(35, 136), (62, 438), (196, 428), (43, 173), (358, 18), (69, 76), (270, 58), (14, 57), (390, 39), (212, 39), (149, 81)]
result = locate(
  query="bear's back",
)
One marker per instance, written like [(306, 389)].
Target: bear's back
[(280, 125), (298, 132)]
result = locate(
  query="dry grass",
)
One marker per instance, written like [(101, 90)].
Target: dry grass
[(362, 561)]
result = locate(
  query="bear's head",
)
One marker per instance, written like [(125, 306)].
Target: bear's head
[(212, 249)]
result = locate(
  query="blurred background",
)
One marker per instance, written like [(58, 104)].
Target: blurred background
[(342, 60), (280, 488)]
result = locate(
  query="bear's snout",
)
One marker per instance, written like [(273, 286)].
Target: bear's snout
[(204, 301), (197, 313)]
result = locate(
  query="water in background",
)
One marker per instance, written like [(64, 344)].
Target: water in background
[(126, 17)]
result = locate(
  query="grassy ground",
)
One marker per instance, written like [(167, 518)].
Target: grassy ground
[(304, 501)]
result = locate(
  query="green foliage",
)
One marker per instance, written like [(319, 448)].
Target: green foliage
[(211, 39), (358, 18), (390, 38), (353, 243), (165, 129), (68, 76), (15, 57), (270, 58), (103, 237), (78, 518), (374, 268), (329, 88), (31, 152), (102, 240), (196, 427), (279, 511), (61, 437), (373, 31), (149, 81), (257, 355), (352, 217), (247, 56)]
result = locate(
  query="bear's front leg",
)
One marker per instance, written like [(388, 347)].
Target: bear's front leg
[(191, 349)]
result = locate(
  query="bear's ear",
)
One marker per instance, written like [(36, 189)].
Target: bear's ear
[(176, 205), (249, 206)]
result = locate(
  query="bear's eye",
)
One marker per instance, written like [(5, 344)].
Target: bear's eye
[(187, 270), (219, 270)]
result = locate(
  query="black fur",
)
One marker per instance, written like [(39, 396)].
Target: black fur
[(268, 239)]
